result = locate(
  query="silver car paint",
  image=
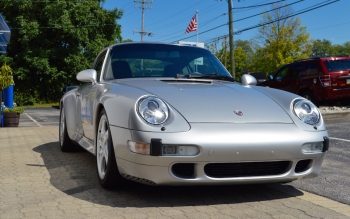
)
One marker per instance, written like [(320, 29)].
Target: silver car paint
[(248, 80), (229, 142), (233, 138), (214, 102)]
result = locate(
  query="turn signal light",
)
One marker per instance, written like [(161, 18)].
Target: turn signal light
[(139, 147)]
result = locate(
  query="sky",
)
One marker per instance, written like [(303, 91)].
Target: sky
[(168, 19)]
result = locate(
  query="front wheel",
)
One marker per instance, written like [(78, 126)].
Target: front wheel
[(107, 170)]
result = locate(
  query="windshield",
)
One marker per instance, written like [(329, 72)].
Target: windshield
[(337, 65), (161, 60)]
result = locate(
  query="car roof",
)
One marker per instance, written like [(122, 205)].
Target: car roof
[(155, 43), (332, 58)]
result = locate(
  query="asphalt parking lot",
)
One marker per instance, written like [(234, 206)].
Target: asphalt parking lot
[(39, 181)]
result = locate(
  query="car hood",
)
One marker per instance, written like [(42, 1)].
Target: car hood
[(206, 101)]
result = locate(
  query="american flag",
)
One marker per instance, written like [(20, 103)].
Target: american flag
[(193, 25)]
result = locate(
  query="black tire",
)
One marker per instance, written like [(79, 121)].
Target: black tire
[(309, 96), (107, 169), (66, 144)]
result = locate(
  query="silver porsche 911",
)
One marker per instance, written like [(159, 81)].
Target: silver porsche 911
[(164, 114)]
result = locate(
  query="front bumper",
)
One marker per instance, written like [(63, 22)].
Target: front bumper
[(220, 143)]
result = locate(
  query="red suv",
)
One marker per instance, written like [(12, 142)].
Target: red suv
[(316, 79)]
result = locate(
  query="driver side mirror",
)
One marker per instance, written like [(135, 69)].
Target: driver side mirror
[(271, 77), (248, 80), (88, 75)]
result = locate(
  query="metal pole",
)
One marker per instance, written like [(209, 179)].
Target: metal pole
[(142, 28), (143, 21), (143, 32), (225, 54), (143, 8), (2, 120), (230, 16), (197, 26)]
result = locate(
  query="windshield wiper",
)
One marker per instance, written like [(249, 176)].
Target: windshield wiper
[(204, 76)]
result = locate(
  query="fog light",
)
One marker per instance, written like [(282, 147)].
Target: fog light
[(139, 147), (314, 147), (169, 149), (177, 150)]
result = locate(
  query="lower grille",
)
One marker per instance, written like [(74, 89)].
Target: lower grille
[(139, 180), (247, 169), (183, 170), (302, 166)]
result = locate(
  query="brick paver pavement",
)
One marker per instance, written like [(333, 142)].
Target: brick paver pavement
[(37, 180)]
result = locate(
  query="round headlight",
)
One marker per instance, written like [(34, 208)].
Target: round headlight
[(153, 110), (306, 111)]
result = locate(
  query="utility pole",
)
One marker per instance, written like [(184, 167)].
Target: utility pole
[(225, 62), (230, 35), (143, 7)]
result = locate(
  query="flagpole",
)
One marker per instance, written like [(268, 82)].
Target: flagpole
[(197, 27)]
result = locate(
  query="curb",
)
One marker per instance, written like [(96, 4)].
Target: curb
[(335, 115), (336, 206)]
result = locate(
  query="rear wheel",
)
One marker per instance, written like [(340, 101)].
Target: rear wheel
[(66, 144), (107, 170), (309, 96)]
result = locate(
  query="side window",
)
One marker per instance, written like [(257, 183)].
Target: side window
[(295, 71), (99, 64), (281, 74), (311, 69)]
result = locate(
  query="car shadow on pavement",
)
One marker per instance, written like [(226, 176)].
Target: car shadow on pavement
[(75, 174)]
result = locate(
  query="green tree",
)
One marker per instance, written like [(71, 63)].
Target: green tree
[(322, 48), (5, 77), (53, 40), (243, 54), (346, 48), (248, 49), (281, 40), (241, 62)]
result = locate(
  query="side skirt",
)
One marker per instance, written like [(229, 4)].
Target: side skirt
[(88, 145)]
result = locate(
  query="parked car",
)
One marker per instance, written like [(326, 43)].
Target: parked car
[(316, 79), (259, 76), (164, 114)]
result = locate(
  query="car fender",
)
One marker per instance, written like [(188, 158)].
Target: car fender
[(285, 99), (120, 103), (70, 111)]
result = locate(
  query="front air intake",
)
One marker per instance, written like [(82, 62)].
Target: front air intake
[(246, 169), (302, 165), (183, 170)]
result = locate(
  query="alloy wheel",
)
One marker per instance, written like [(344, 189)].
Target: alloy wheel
[(102, 146)]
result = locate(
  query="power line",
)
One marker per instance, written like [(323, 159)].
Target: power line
[(202, 11), (188, 8), (127, 4), (255, 6), (268, 11), (238, 32), (245, 18), (270, 22), (320, 28), (204, 23)]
